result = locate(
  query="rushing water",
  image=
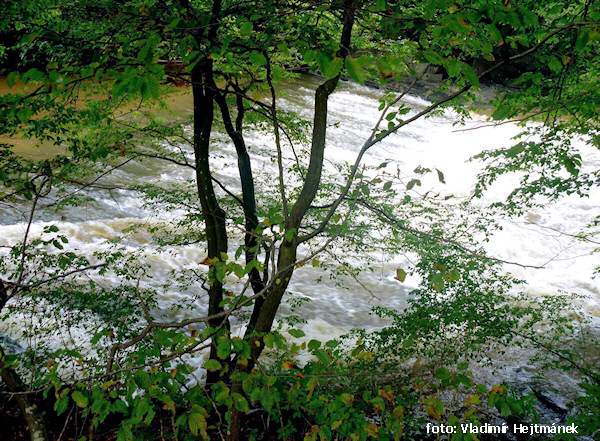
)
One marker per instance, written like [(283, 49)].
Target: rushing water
[(541, 237)]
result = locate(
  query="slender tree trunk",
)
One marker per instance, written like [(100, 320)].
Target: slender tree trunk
[(287, 252), (264, 313), (248, 191), (250, 240), (214, 216), (27, 402)]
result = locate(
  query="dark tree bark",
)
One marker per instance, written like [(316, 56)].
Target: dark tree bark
[(236, 135), (27, 402), (287, 252), (205, 94), (214, 216), (264, 313)]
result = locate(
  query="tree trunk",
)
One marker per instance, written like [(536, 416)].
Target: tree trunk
[(264, 313), (248, 191), (214, 216), (27, 402), (287, 252)]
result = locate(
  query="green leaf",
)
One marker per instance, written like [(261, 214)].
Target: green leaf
[(220, 271), (309, 56), (144, 52), (141, 407), (400, 275), (11, 79), (333, 68), (125, 434), (412, 183), (240, 402), (310, 385), (440, 176), (381, 5), (120, 406), (323, 61), (442, 374), (464, 380), (197, 423), (323, 356), (169, 404), (297, 333), (223, 348), (433, 57), (437, 281), (268, 397), (355, 70), (347, 398), (515, 407), (314, 344), (80, 399), (554, 64), (495, 34), (473, 400), (142, 379), (384, 67), (582, 39), (246, 28), (212, 365), (530, 18), (33, 74), (257, 59), (61, 404), (269, 340), (503, 111), (514, 150), (239, 270), (24, 114), (471, 75)]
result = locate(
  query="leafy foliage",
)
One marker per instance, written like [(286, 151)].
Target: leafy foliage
[(90, 82)]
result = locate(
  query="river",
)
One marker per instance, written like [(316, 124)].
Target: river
[(540, 237)]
